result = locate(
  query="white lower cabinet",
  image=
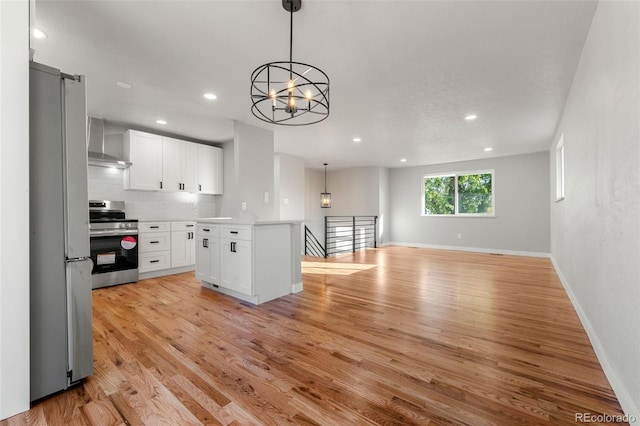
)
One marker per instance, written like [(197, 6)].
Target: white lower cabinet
[(237, 265), (208, 253), (166, 245), (154, 261), (183, 247), (155, 246), (255, 263)]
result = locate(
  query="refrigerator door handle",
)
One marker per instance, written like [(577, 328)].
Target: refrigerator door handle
[(77, 259)]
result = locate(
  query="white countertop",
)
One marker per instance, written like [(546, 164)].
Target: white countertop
[(236, 221)]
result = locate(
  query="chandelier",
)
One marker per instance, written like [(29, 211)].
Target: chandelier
[(290, 93)]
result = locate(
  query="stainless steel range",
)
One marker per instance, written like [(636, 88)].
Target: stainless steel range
[(114, 244)]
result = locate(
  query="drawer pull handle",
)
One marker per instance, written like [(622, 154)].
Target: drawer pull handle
[(233, 232), (154, 242), (233, 247), (189, 226), (154, 261), (154, 227), (205, 243), (206, 229)]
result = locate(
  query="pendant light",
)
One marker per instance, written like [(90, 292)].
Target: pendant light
[(325, 197), (290, 93)]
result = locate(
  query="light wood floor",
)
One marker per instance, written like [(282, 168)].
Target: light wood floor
[(388, 336)]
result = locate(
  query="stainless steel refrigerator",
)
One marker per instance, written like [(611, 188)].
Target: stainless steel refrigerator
[(60, 264)]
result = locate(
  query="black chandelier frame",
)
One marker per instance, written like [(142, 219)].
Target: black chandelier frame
[(275, 102)]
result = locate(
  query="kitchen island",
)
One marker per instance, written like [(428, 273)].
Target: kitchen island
[(255, 261)]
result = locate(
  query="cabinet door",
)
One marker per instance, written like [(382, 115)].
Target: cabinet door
[(203, 256), (180, 249), (237, 265), (144, 150), (171, 164), (191, 249), (214, 261), (189, 167), (207, 251), (210, 160)]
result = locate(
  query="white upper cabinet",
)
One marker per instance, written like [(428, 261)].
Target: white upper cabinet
[(171, 164), (210, 169), (179, 165), (161, 163), (144, 151), (190, 167)]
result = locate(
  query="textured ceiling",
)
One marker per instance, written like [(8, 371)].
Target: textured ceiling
[(404, 74)]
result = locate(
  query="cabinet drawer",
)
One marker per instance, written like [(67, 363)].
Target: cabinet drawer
[(154, 261), (144, 227), (157, 241), (208, 230), (239, 232), (183, 226)]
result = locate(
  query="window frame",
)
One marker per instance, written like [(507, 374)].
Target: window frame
[(455, 175)]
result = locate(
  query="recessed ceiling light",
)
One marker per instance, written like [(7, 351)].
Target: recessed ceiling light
[(123, 84), (471, 117), (210, 96), (403, 160), (37, 33), (488, 149), (357, 140), (161, 121)]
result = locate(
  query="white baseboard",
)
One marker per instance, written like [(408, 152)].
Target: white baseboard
[(297, 287), (472, 249), (629, 406)]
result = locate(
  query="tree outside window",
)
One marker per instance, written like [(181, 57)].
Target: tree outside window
[(459, 194)]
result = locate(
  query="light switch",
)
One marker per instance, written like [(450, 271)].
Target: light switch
[(286, 201), (266, 197), (244, 206)]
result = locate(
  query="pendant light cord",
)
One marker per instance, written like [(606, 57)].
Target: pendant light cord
[(291, 40), (325, 178)]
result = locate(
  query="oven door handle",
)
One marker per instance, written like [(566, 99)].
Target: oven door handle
[(113, 233)]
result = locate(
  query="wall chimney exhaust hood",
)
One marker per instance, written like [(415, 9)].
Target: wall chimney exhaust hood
[(96, 154)]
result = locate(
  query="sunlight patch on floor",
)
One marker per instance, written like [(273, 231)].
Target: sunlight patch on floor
[(334, 268)]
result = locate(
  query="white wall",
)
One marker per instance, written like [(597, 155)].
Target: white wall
[(595, 230), (313, 213), (14, 207), (384, 207), (354, 191), (108, 184), (249, 174), (289, 187), (357, 191), (521, 223)]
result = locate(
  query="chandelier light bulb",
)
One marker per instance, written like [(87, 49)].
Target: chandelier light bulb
[(290, 86)]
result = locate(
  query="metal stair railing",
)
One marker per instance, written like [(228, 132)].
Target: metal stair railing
[(349, 233), (312, 246)]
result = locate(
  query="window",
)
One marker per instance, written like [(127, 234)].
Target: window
[(560, 169), (459, 194)]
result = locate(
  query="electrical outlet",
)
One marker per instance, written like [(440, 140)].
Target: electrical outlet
[(244, 206), (266, 197), (286, 201), (459, 235)]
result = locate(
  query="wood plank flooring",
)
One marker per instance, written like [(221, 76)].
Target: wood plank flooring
[(387, 336)]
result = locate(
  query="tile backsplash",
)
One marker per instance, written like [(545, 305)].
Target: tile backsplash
[(108, 184)]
